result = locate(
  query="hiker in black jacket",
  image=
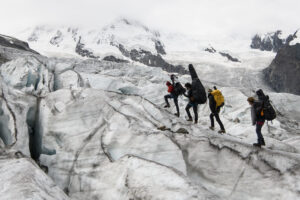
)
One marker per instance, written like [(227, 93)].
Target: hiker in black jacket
[(191, 103), (258, 119), (215, 110)]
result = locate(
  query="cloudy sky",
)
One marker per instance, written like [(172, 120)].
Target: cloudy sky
[(226, 17)]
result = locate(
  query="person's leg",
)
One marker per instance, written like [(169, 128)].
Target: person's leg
[(195, 108), (187, 109), (176, 104), (212, 121), (219, 121), (168, 96), (260, 139)]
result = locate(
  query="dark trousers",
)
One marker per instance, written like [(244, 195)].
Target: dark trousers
[(212, 122), (195, 109), (175, 98), (260, 138)]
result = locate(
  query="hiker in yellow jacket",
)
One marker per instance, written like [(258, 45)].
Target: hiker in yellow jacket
[(216, 101)]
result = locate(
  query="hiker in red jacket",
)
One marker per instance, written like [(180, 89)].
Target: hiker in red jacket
[(173, 96)]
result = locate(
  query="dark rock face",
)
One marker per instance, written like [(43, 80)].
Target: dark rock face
[(55, 40), (210, 50), (84, 52), (229, 57), (147, 58), (270, 42), (160, 47), (114, 59), (11, 48), (284, 72), (7, 41), (277, 42)]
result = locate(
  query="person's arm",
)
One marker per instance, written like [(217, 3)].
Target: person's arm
[(212, 103), (253, 115)]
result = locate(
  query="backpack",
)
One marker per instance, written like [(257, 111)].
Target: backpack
[(219, 98), (178, 89), (198, 91), (267, 109)]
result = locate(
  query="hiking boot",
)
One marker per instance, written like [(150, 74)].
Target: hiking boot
[(189, 120), (263, 143), (221, 131), (212, 128), (257, 145), (167, 106), (196, 122), (176, 114)]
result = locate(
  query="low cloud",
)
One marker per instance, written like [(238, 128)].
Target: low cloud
[(196, 17)]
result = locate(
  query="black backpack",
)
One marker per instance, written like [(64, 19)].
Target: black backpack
[(179, 89), (198, 90), (268, 110)]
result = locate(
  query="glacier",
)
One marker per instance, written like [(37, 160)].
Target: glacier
[(74, 128)]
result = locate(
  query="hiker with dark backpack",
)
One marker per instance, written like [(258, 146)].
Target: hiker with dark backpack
[(268, 110), (216, 101), (196, 94), (261, 110), (191, 104), (258, 119), (175, 89)]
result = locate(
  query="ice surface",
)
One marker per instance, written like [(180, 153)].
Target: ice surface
[(113, 139), (22, 179)]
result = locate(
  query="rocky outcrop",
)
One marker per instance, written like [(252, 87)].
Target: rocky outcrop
[(284, 72), (81, 50), (147, 58), (11, 42), (159, 47), (229, 57), (210, 50), (12, 48), (271, 41), (114, 59), (268, 42), (58, 38)]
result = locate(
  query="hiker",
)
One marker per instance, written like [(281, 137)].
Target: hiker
[(172, 95), (258, 119), (191, 103), (216, 101)]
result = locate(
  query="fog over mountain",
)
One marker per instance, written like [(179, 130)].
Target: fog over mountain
[(233, 18)]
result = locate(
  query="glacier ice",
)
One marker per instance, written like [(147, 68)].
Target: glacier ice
[(96, 125)]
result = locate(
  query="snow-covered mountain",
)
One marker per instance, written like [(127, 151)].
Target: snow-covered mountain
[(99, 130), (99, 42), (274, 41), (121, 41)]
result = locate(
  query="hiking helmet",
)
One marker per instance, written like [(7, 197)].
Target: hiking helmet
[(168, 83)]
